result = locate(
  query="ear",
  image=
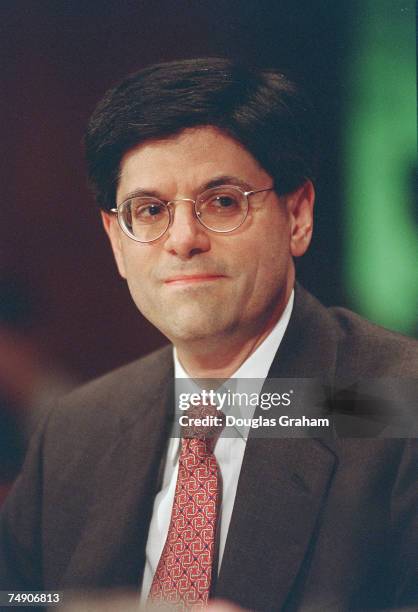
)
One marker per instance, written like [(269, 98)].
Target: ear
[(114, 233), (300, 207)]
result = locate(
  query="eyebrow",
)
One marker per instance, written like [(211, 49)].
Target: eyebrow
[(226, 179), (217, 181)]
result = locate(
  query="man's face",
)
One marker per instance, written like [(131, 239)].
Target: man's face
[(192, 283)]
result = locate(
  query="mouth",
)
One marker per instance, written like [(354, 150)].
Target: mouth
[(190, 279)]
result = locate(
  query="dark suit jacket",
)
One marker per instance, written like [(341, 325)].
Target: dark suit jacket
[(318, 525)]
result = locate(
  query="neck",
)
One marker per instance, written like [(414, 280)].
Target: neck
[(221, 357)]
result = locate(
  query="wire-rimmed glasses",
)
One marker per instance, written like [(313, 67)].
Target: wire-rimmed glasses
[(220, 209)]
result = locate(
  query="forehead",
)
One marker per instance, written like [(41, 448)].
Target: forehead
[(187, 161)]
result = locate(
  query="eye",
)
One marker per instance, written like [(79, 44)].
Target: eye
[(221, 202), (224, 201), (147, 211)]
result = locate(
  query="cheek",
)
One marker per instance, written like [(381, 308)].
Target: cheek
[(271, 270), (270, 257), (272, 276), (138, 267), (136, 257), (143, 295), (263, 276)]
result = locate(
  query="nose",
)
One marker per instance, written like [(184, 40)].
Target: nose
[(185, 237)]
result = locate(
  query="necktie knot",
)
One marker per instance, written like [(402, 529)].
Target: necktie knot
[(205, 424)]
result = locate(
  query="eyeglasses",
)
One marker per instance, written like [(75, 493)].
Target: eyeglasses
[(219, 209)]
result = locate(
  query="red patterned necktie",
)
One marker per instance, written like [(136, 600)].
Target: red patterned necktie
[(184, 572)]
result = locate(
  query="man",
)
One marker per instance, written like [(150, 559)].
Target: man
[(203, 170)]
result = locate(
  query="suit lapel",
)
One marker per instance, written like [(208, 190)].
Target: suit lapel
[(111, 550), (279, 497), (283, 482)]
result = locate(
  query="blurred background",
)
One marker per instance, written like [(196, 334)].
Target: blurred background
[(65, 315)]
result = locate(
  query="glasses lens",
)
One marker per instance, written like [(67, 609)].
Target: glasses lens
[(145, 219), (222, 209)]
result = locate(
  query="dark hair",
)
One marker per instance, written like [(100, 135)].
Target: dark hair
[(261, 109)]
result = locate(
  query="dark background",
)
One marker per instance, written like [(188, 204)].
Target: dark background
[(58, 58)]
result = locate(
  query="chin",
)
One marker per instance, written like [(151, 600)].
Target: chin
[(192, 333), (194, 329), (187, 322)]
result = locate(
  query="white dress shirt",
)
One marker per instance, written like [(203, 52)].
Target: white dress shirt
[(229, 453)]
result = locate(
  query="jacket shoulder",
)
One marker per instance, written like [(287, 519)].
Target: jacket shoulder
[(134, 377), (368, 350), (95, 409)]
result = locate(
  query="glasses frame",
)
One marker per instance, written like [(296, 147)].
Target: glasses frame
[(168, 204)]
